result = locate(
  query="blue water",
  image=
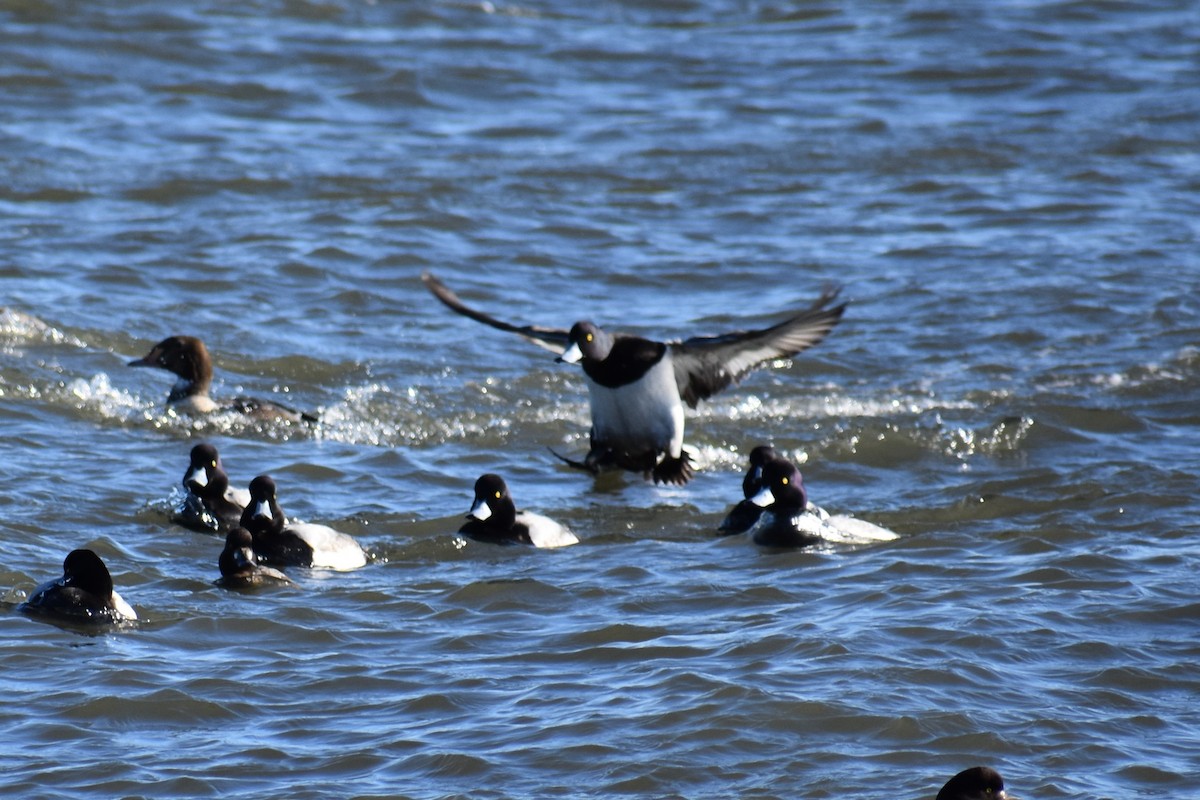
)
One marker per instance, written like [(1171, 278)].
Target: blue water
[(1007, 194)]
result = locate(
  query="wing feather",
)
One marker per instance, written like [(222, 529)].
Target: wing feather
[(706, 365), (552, 339)]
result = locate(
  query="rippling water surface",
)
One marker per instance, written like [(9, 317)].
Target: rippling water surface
[(1008, 194)]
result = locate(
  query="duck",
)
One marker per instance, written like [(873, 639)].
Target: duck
[(84, 594), (637, 387), (742, 516), (188, 358), (299, 544), (212, 505), (790, 520), (494, 518), (239, 565), (976, 783)]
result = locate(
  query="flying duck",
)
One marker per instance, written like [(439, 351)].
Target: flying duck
[(637, 386)]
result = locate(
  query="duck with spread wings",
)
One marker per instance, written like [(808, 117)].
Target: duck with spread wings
[(637, 386)]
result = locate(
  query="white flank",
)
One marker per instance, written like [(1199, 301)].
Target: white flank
[(545, 532), (124, 609), (331, 549)]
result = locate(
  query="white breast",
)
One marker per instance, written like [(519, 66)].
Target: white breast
[(195, 404), (643, 414)]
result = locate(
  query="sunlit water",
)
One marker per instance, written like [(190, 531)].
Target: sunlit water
[(1007, 195)]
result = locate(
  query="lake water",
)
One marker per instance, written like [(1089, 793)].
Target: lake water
[(1008, 194)]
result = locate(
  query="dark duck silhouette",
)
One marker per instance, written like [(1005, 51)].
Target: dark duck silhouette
[(239, 565), (84, 594), (742, 516), (976, 783), (211, 505)]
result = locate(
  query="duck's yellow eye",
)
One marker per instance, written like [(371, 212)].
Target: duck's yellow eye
[(784, 481), (213, 464), (589, 337), (497, 495)]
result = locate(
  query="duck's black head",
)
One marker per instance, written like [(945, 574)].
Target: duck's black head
[(976, 783), (204, 468), (587, 341), (263, 514), (84, 570), (782, 486), (493, 504)]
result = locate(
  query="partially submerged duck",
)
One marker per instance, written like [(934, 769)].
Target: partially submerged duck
[(84, 594), (742, 516), (790, 520), (212, 505), (494, 518), (297, 544), (239, 565)]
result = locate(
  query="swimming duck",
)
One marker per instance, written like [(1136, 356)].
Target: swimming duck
[(976, 783), (790, 520), (299, 544), (83, 594), (239, 565), (637, 386), (494, 518), (742, 516), (212, 504), (188, 358)]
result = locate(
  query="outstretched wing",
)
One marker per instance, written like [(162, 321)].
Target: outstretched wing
[(553, 339), (705, 365)]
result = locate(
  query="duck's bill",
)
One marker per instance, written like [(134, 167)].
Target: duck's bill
[(764, 497), (480, 511), (571, 355)]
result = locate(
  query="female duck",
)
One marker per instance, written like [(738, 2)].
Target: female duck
[(299, 544), (494, 518), (790, 520), (239, 566), (83, 594), (188, 359)]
